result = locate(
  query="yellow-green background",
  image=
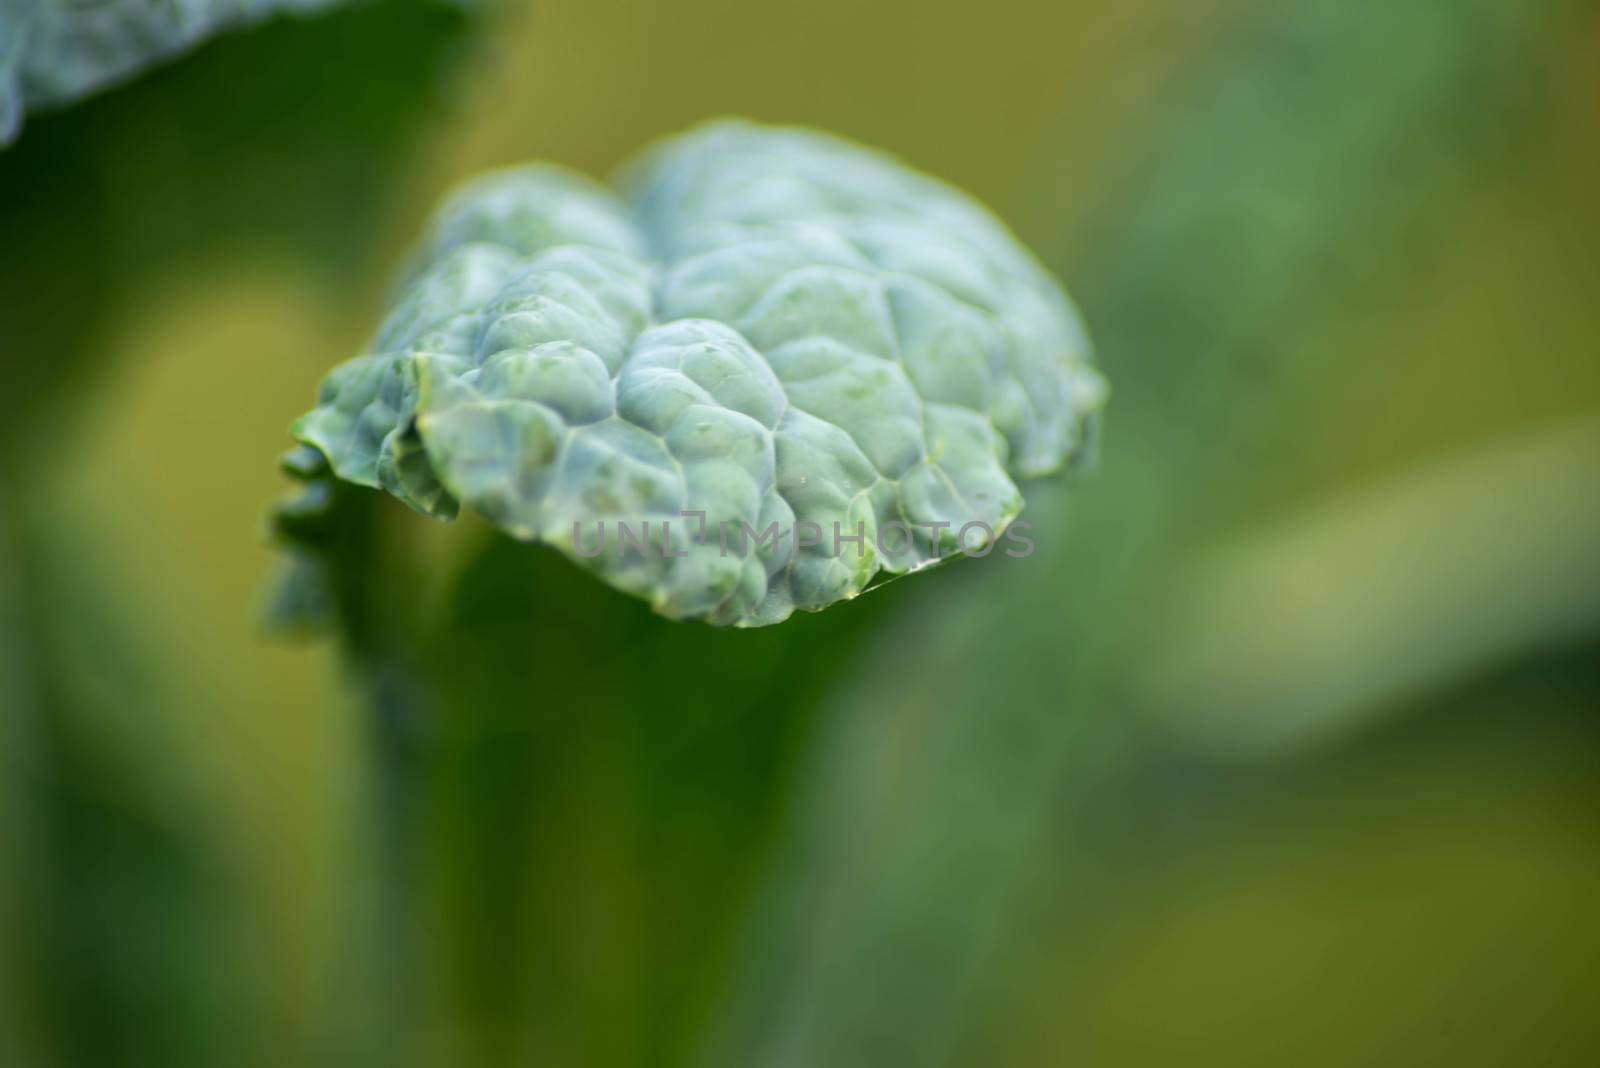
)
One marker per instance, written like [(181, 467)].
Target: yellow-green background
[(1282, 750)]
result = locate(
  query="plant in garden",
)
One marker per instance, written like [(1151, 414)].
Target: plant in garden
[(776, 367), (780, 333)]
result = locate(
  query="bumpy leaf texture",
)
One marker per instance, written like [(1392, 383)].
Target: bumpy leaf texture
[(777, 366), (56, 51)]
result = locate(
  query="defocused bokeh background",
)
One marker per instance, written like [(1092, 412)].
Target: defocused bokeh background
[(1283, 748)]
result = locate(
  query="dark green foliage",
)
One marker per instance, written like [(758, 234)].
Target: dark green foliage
[(281, 139), (284, 136)]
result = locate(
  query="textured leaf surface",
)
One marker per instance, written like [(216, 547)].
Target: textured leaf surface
[(55, 51), (797, 337)]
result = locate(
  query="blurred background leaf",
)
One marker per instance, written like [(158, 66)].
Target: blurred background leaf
[(1306, 174), (276, 142), (140, 925)]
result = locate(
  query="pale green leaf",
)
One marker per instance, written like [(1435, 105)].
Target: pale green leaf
[(836, 361)]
